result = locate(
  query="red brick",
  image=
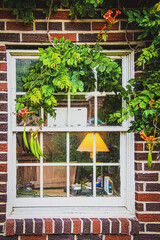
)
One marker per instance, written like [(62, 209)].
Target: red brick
[(76, 226), (3, 147), (117, 237), (7, 15), (148, 197), (19, 26), (60, 15), (139, 206), (153, 207), (146, 177), (3, 167), (10, 227), (96, 225), (70, 36), (3, 208), (77, 26), (138, 166), (154, 167), (100, 25), (144, 156), (1, 25), (34, 37), (138, 146), (48, 226), (3, 126), (3, 86), (148, 217), (3, 76), (139, 186), (2, 218), (147, 237), (3, 177), (124, 226), (87, 37), (2, 48), (82, 237), (153, 187), (153, 227), (3, 118), (3, 66), (113, 37), (9, 37), (3, 97), (33, 238), (3, 199), (3, 188)]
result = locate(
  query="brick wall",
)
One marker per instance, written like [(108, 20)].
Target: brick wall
[(147, 198)]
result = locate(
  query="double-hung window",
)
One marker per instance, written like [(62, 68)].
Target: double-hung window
[(88, 161)]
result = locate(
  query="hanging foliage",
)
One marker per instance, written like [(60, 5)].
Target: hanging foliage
[(142, 94)]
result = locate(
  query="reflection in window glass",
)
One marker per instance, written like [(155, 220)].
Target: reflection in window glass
[(105, 82), (108, 105), (108, 181), (78, 154), (112, 141), (54, 147), (23, 66), (61, 113), (27, 179), (82, 110), (54, 181), (23, 154), (82, 181)]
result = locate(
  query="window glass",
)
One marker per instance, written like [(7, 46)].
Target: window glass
[(108, 181), (54, 147), (54, 181), (27, 177), (81, 149), (81, 183), (22, 68), (23, 154)]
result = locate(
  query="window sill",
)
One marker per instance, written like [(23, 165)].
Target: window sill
[(74, 225), (70, 212)]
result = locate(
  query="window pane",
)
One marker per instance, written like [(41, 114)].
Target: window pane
[(82, 110), (61, 113), (112, 142), (108, 181), (79, 151), (54, 147), (22, 69), (23, 154), (108, 104), (81, 179), (54, 181), (27, 179)]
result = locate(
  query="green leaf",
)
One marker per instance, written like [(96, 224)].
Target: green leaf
[(142, 105), (55, 40), (61, 40), (102, 68)]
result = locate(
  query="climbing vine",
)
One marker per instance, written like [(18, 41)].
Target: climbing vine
[(142, 94), (81, 8)]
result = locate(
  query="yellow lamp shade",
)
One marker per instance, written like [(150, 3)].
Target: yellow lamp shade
[(87, 144)]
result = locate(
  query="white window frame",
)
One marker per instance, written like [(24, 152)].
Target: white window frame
[(113, 206)]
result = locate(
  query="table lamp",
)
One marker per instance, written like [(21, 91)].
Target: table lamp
[(87, 144)]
